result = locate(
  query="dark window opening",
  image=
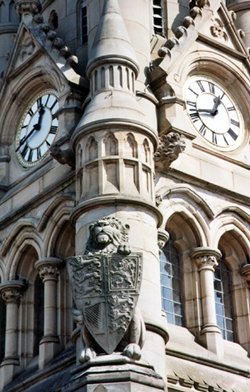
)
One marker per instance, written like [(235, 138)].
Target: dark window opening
[(38, 314), (84, 25), (157, 17)]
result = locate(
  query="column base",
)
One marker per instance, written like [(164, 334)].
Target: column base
[(48, 348), (210, 337), (9, 368), (114, 373)]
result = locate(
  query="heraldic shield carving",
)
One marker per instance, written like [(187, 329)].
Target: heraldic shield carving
[(106, 289)]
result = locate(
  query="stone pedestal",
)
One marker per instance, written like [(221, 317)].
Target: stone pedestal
[(114, 373)]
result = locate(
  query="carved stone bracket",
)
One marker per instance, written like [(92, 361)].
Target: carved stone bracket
[(206, 258), (170, 146), (163, 237)]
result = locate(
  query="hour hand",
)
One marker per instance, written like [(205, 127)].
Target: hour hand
[(210, 111)]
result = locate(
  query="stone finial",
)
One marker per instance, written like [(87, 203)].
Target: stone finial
[(170, 146)]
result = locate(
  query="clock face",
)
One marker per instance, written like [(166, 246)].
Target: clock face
[(213, 113), (37, 129)]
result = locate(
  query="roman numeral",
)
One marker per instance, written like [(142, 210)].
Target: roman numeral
[(211, 87), (39, 103), (194, 116), (38, 151), (47, 100), (30, 112), (225, 140), (48, 144), (30, 156), (231, 108), (203, 130), (236, 123), (214, 138), (193, 92), (191, 103), (24, 126), (232, 134), (24, 151), (201, 86), (53, 105), (53, 129)]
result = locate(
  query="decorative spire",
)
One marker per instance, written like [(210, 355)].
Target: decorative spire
[(112, 40), (27, 9)]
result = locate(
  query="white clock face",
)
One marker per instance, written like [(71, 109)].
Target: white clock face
[(37, 129), (213, 113)]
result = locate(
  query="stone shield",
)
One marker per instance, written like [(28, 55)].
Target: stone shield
[(106, 289)]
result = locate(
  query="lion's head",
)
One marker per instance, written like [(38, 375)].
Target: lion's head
[(106, 235)]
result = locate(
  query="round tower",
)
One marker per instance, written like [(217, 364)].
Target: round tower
[(114, 144), (242, 10), (9, 22)]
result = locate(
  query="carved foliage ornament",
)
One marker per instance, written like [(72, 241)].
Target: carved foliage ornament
[(170, 146)]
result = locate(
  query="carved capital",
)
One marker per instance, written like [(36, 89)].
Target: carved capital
[(170, 146), (11, 291), (245, 272), (49, 269), (163, 237), (206, 258)]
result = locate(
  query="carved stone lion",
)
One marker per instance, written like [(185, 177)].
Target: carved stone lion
[(108, 236)]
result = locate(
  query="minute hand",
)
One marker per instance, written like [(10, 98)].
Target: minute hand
[(22, 141)]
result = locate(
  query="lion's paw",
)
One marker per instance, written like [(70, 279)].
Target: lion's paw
[(86, 355), (132, 351), (124, 249)]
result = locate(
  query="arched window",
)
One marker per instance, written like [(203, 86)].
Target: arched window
[(83, 22), (157, 17), (2, 328), (53, 20), (38, 313), (171, 284), (224, 301)]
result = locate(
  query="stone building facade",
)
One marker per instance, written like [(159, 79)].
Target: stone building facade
[(124, 195)]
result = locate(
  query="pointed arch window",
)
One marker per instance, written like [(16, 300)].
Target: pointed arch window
[(83, 22), (224, 301), (38, 313), (171, 284), (2, 328), (157, 17)]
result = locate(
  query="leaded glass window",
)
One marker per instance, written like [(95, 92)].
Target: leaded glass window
[(2, 328), (157, 17), (171, 284), (223, 301)]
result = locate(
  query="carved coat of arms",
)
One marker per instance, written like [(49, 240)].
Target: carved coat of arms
[(105, 284), (106, 289)]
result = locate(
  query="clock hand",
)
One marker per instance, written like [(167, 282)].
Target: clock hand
[(36, 127), (205, 111), (217, 102)]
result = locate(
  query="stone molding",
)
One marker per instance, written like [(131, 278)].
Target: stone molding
[(206, 258)]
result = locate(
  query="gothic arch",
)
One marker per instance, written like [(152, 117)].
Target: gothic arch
[(193, 209), (26, 238)]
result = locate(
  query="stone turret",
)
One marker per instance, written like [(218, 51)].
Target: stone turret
[(114, 145), (242, 10), (8, 28)]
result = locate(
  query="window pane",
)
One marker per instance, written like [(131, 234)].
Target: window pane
[(171, 284), (223, 301)]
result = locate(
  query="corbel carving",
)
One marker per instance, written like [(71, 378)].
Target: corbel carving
[(170, 146)]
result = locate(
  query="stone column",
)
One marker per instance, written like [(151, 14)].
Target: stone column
[(11, 293), (207, 260), (49, 269), (243, 317)]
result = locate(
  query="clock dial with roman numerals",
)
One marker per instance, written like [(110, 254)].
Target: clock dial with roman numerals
[(213, 113), (37, 129)]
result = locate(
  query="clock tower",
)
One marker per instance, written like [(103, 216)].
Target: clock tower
[(124, 195)]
